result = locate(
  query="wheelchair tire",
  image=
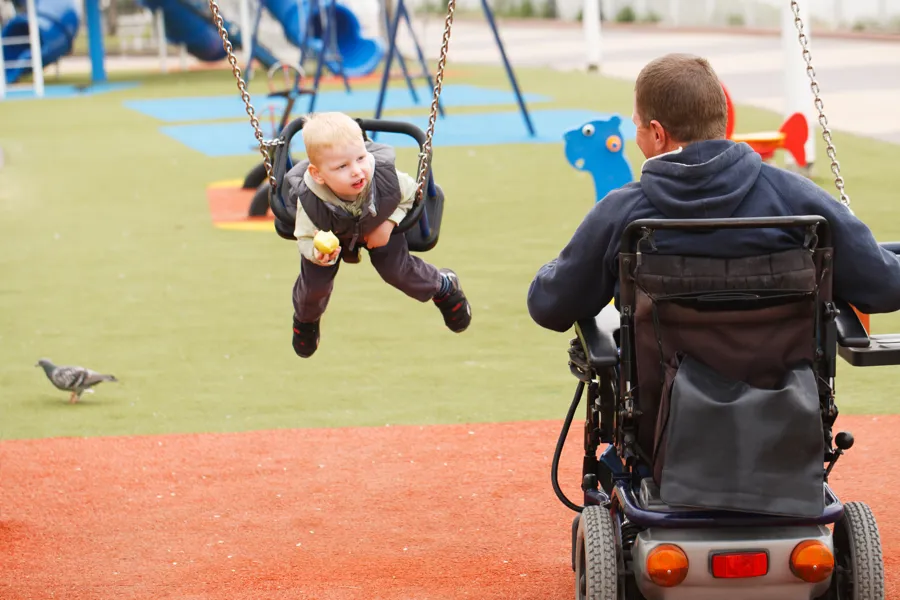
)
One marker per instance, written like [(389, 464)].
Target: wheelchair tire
[(596, 562), (857, 550)]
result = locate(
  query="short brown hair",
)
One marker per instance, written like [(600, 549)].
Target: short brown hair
[(684, 94)]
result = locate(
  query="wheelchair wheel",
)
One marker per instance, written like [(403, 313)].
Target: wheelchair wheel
[(859, 564), (596, 563)]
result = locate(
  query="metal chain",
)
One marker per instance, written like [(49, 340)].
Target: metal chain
[(264, 145), (820, 106), (425, 155)]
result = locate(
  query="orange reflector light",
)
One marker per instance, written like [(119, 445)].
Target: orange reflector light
[(667, 565), (812, 561), (740, 565)]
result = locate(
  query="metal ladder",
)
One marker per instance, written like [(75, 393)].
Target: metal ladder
[(36, 62)]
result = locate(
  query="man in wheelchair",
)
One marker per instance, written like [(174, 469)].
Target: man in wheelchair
[(713, 382)]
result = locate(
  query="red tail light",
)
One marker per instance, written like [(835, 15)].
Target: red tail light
[(740, 565)]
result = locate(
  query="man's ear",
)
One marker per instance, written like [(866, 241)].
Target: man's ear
[(315, 174), (660, 135)]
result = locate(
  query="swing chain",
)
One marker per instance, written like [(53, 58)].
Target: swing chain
[(425, 155), (820, 106), (264, 145)]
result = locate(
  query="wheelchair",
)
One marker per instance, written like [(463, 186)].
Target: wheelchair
[(713, 387)]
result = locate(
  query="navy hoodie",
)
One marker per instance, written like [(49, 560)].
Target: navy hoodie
[(709, 179)]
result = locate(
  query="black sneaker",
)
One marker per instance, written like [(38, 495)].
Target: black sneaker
[(306, 338), (453, 305)]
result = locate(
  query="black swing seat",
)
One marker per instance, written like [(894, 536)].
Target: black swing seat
[(422, 224)]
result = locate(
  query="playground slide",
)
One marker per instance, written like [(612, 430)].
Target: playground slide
[(189, 22), (58, 22), (360, 56)]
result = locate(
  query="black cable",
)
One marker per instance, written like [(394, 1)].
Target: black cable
[(554, 467)]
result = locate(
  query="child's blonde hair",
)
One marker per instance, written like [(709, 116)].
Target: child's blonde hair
[(323, 131)]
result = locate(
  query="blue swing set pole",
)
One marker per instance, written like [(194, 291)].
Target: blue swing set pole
[(94, 22), (254, 39), (392, 47), (332, 43), (512, 78), (320, 64), (402, 61), (422, 61)]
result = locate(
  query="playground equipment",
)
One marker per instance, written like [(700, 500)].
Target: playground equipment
[(598, 147), (791, 136), (187, 23), (401, 11), (28, 49)]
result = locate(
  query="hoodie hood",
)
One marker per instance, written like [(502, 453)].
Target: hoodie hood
[(706, 179)]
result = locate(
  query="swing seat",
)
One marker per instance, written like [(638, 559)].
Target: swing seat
[(422, 223)]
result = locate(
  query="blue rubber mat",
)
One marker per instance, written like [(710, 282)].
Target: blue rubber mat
[(235, 139), (172, 110), (66, 91)]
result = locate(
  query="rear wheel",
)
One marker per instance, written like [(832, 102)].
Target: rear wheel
[(596, 564), (859, 564)]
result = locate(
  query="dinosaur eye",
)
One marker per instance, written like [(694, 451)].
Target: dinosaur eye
[(587, 130), (613, 143)]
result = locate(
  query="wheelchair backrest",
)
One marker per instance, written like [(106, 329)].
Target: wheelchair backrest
[(750, 319)]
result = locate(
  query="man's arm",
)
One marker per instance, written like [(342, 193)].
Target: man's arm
[(865, 275), (580, 281)]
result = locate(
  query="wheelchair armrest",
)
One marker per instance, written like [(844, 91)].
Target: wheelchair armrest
[(850, 330), (883, 351), (596, 337)]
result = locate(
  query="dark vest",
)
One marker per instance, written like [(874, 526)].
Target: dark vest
[(383, 199)]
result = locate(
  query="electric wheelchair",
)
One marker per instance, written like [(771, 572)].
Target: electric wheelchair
[(713, 389)]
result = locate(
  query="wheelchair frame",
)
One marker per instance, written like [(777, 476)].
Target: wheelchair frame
[(606, 367)]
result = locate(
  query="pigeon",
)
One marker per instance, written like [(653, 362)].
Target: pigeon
[(72, 379)]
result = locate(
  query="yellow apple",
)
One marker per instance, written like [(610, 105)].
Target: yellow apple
[(326, 242)]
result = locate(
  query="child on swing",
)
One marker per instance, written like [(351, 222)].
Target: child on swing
[(352, 188)]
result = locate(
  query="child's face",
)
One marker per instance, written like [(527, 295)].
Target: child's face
[(345, 169)]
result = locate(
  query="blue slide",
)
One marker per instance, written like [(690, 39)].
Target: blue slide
[(58, 22), (189, 22), (360, 56)]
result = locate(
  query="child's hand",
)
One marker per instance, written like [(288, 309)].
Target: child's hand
[(326, 259), (380, 236)]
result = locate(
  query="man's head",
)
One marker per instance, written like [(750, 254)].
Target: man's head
[(678, 100), (337, 154)]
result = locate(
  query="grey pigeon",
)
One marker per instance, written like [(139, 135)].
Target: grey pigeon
[(72, 379)]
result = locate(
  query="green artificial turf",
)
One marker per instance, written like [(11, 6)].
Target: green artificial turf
[(110, 260)]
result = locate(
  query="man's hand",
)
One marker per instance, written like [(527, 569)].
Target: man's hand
[(380, 236)]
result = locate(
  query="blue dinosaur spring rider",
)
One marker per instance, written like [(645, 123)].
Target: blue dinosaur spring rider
[(598, 148)]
